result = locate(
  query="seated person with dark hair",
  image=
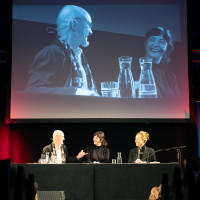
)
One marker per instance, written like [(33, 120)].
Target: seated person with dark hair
[(99, 151)]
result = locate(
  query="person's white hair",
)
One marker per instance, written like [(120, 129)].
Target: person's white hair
[(57, 132), (68, 14)]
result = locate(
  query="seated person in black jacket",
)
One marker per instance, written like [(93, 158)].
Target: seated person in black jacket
[(58, 151), (99, 151), (142, 153)]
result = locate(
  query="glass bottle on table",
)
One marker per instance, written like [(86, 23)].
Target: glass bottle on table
[(119, 158), (47, 157), (125, 78), (63, 157), (53, 157)]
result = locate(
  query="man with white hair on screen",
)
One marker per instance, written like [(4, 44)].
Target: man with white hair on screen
[(57, 152), (61, 67)]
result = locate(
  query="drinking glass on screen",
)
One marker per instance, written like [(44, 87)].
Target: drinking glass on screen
[(109, 89)]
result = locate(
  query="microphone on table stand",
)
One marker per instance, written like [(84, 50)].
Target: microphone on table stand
[(138, 153), (172, 148)]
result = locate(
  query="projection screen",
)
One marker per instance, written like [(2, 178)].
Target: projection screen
[(105, 59)]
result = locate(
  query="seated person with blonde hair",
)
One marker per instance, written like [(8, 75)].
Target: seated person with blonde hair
[(155, 193), (141, 153)]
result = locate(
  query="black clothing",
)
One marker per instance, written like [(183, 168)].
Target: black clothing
[(146, 154), (50, 148), (98, 154), (165, 81), (51, 70)]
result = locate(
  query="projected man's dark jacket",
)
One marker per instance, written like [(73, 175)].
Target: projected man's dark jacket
[(52, 69)]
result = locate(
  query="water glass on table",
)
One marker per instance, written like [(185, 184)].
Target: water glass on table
[(114, 161)]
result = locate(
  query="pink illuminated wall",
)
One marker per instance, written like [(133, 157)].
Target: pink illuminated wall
[(12, 145)]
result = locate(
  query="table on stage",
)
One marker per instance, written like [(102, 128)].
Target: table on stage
[(99, 181)]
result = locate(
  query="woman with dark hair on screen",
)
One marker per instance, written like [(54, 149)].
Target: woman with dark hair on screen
[(159, 46), (141, 153), (99, 151)]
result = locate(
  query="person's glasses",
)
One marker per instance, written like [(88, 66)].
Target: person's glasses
[(90, 25), (86, 24)]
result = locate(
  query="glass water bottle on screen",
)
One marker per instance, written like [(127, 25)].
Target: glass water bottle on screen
[(147, 85), (125, 78)]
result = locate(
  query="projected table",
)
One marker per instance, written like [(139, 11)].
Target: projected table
[(59, 108), (99, 181)]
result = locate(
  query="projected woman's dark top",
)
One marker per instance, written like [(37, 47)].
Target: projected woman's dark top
[(165, 81)]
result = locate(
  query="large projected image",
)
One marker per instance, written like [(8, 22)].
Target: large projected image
[(81, 61)]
